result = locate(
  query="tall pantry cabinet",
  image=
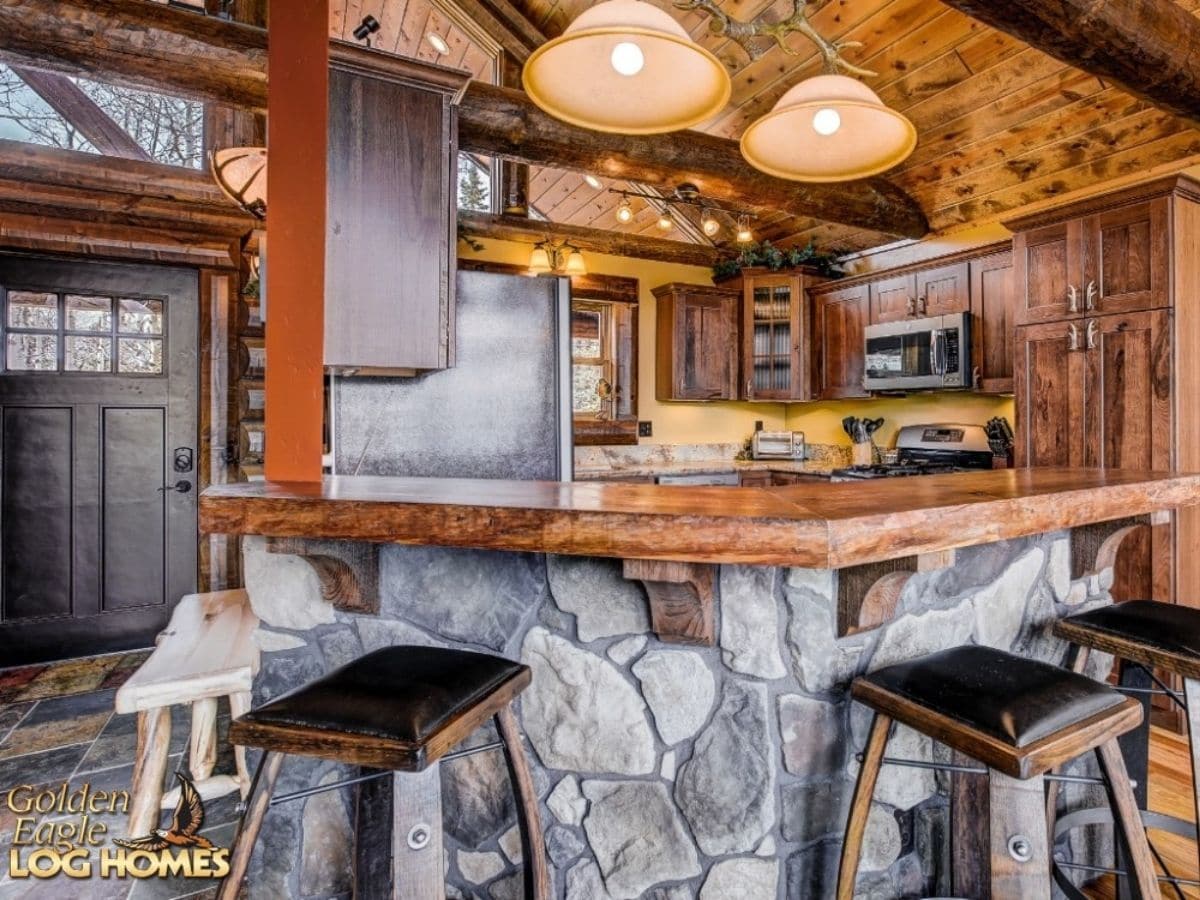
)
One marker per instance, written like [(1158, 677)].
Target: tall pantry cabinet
[(1107, 355)]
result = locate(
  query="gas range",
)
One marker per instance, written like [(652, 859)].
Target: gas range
[(929, 450)]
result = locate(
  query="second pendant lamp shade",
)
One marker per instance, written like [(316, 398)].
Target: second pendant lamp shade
[(828, 128), (626, 67)]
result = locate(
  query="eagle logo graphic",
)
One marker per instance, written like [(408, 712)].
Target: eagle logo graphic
[(185, 824)]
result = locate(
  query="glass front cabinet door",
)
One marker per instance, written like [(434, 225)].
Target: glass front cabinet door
[(775, 324)]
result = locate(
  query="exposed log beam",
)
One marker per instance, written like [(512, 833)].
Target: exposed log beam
[(1147, 47), (596, 240), (80, 111), (199, 56), (140, 44), (504, 122), (508, 25)]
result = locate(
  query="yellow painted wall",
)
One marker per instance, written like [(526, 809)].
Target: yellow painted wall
[(674, 423), (822, 422)]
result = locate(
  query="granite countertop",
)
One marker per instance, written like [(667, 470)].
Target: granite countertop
[(651, 469)]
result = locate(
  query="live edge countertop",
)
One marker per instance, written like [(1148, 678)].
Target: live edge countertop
[(808, 525)]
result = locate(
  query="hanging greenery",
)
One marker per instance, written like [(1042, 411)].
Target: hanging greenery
[(768, 256)]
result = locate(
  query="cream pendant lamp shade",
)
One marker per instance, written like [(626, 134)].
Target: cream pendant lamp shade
[(626, 67), (828, 128)]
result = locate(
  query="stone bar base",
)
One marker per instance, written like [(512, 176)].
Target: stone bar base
[(665, 772)]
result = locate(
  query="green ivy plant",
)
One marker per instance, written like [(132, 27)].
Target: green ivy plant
[(766, 255)]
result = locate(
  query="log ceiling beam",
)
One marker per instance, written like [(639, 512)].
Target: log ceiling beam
[(595, 240), (80, 111), (153, 45), (1147, 47)]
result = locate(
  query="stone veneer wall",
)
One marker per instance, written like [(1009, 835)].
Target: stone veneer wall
[(665, 772)]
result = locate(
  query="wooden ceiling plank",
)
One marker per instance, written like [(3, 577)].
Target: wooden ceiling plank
[(986, 48), (1149, 47), (67, 99), (1178, 151), (517, 228)]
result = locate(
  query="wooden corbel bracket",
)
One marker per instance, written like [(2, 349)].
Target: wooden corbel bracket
[(1095, 547), (869, 595), (682, 599), (348, 570)]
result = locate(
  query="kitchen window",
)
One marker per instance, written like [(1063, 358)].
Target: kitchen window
[(604, 370)]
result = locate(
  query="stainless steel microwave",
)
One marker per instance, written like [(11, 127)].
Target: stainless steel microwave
[(931, 354)]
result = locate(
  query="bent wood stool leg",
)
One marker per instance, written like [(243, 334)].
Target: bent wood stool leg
[(202, 748), (537, 878), (1131, 835), (239, 705), (1191, 692), (417, 835), (860, 806), (1020, 845), (149, 769), (1076, 661), (252, 819)]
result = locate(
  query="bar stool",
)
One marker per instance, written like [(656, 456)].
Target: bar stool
[(401, 709), (1142, 635), (1020, 718)]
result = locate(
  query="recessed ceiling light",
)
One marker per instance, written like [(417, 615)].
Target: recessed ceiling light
[(438, 42), (593, 181)]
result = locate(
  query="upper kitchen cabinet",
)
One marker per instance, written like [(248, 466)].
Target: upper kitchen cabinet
[(893, 299), (1107, 255), (916, 295), (991, 322), (775, 324), (697, 343), (839, 316), (390, 245)]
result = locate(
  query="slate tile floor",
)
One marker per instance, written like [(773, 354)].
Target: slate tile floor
[(57, 725)]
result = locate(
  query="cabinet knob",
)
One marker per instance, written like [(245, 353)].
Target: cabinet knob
[(1072, 337), (1072, 298)]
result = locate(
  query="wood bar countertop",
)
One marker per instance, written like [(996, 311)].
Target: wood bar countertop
[(809, 525)]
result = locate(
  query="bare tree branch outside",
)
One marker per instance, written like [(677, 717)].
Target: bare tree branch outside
[(170, 129)]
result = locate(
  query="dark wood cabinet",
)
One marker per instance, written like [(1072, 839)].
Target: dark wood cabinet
[(839, 317), (1107, 261), (893, 299), (697, 342), (943, 291), (775, 324), (1051, 395), (390, 245), (991, 299)]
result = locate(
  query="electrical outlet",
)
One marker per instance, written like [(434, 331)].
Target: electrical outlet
[(758, 424), (645, 429)]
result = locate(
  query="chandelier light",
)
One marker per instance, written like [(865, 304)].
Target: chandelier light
[(241, 173), (829, 128), (561, 258), (627, 67)]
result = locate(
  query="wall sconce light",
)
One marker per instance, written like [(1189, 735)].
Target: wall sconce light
[(561, 258)]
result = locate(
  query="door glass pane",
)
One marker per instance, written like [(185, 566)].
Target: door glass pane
[(781, 302), (32, 310), (140, 317), (585, 385), (32, 353), (88, 354), (141, 356), (89, 313)]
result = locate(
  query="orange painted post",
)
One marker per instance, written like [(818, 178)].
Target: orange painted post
[(297, 124)]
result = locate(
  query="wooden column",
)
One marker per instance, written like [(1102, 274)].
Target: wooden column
[(298, 101)]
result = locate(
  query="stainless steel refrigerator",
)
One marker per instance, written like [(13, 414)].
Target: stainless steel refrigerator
[(502, 411)]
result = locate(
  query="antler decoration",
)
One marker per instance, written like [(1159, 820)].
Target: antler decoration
[(745, 33)]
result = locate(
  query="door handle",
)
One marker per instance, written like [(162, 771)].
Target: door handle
[(911, 305), (1072, 337), (1072, 298), (182, 486), (1089, 301)]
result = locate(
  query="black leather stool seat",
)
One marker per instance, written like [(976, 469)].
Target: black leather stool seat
[(397, 708), (1002, 709), (1143, 631)]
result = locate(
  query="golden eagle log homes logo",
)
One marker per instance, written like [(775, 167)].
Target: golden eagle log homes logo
[(60, 832)]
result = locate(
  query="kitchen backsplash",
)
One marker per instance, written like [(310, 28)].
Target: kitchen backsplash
[(642, 455)]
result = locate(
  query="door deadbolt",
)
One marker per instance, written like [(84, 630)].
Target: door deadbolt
[(183, 460)]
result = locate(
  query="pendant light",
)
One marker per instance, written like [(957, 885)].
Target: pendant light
[(709, 223), (624, 211), (829, 128), (627, 67), (744, 234), (665, 220)]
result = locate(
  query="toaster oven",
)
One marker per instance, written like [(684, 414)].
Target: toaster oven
[(778, 445)]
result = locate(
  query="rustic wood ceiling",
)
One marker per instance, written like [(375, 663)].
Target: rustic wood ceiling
[(1001, 125)]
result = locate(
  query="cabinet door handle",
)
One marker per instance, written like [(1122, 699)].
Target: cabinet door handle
[(749, 386), (922, 305), (911, 305), (1072, 298), (1090, 295), (1072, 337), (1091, 334)]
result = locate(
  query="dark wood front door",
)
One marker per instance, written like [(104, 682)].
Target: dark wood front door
[(98, 389)]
